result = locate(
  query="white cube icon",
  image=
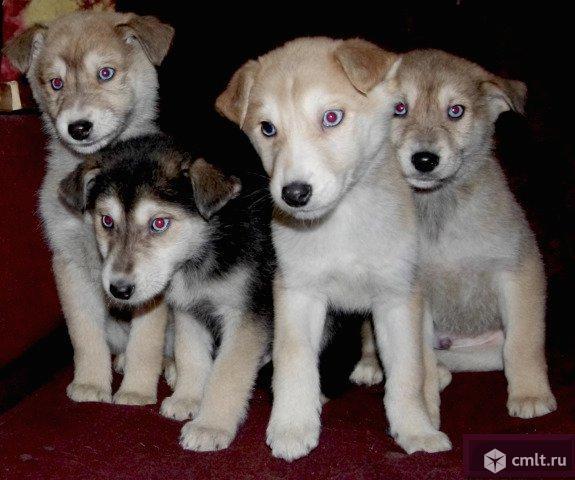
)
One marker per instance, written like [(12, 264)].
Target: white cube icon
[(494, 461)]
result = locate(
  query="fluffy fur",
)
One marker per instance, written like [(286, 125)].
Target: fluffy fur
[(212, 263), (352, 246), (481, 270), (74, 48)]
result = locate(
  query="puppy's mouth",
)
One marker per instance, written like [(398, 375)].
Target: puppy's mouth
[(423, 182), (307, 213), (90, 145), (132, 307)]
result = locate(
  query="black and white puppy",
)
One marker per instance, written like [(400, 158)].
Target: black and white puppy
[(168, 227)]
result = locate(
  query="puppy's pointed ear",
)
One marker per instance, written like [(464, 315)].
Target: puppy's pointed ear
[(365, 64), (233, 101), (22, 49), (154, 36), (504, 95), (212, 189), (74, 189)]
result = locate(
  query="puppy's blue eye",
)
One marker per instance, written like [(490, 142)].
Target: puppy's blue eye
[(455, 112), (159, 225), (57, 83), (268, 129), (400, 109), (331, 118), (106, 73)]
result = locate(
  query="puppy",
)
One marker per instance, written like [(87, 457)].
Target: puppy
[(164, 227), (344, 229), (93, 76), (481, 270)]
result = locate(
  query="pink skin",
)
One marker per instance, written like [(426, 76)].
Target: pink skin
[(443, 341)]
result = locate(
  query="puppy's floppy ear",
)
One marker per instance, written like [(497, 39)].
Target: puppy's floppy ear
[(74, 189), (22, 49), (504, 95), (154, 36), (212, 189), (233, 101), (365, 64)]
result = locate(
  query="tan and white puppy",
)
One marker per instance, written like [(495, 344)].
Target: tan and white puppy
[(481, 270), (344, 229), (94, 78)]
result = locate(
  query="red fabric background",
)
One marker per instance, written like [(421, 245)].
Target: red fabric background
[(49, 437), (29, 307)]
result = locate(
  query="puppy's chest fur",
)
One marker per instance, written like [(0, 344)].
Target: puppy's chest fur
[(363, 252), (67, 232), (209, 296), (467, 234), (232, 275)]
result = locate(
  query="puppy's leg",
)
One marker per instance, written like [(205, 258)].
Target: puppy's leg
[(294, 426), (170, 372), (437, 377), (193, 345), (144, 355), (399, 334), (229, 387), (86, 313), (368, 370), (522, 300)]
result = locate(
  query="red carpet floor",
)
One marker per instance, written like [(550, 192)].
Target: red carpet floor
[(49, 437)]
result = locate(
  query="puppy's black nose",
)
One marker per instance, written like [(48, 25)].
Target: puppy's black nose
[(424, 162), (296, 194), (80, 130), (122, 290)]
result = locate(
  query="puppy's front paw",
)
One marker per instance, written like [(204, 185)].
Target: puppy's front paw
[(203, 438), (133, 398), (427, 442), (81, 392), (367, 372), (179, 408), (527, 406), (292, 442), (120, 363), (170, 373)]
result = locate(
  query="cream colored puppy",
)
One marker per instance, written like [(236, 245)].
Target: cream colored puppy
[(94, 78), (482, 274), (344, 230)]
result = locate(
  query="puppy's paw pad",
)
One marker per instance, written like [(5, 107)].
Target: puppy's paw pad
[(367, 372), (291, 443), (133, 398), (170, 374), (531, 406), (81, 392), (429, 442), (179, 408), (120, 363), (444, 376), (200, 438)]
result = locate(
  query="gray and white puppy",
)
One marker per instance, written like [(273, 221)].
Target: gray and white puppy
[(93, 76), (481, 270)]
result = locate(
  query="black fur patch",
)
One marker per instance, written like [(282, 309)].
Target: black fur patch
[(239, 232)]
